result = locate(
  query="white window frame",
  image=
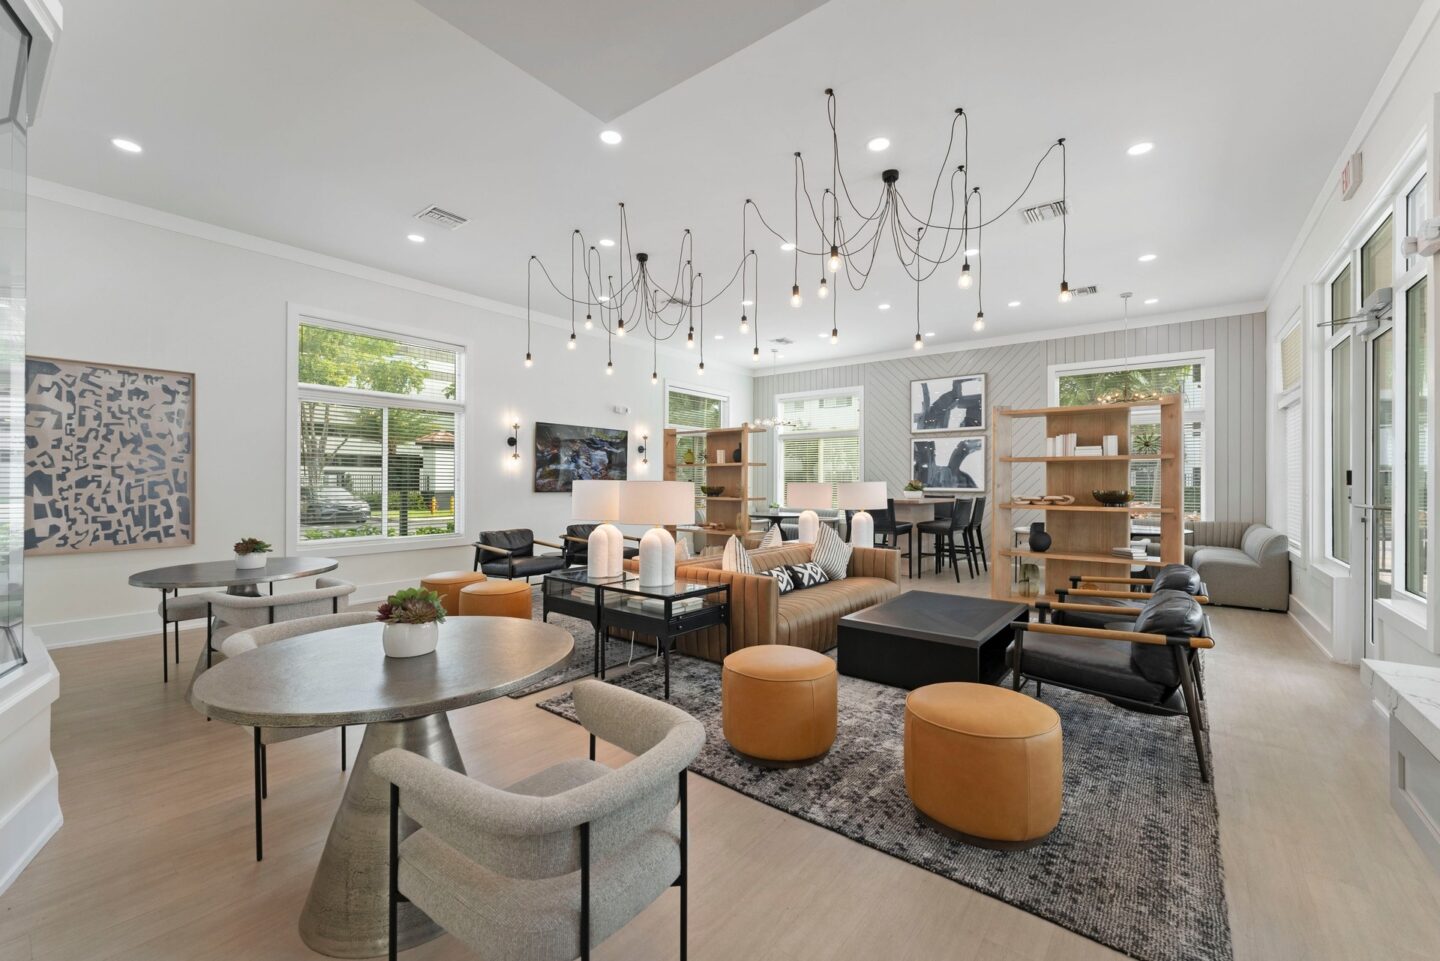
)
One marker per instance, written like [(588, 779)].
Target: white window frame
[(1205, 359), (1333, 339), (672, 386), (1285, 400), (298, 316), (778, 472)]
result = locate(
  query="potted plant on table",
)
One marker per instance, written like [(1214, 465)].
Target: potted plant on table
[(914, 490), (412, 622), (250, 553)]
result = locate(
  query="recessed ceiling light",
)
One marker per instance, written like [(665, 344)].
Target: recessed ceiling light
[(719, 336), (929, 333), (884, 306), (879, 144), (822, 336), (972, 252), (415, 238), (1143, 147), (603, 297), (787, 246), (129, 146), (612, 137), (1153, 300), (1146, 258), (747, 303), (1013, 303), (606, 242)]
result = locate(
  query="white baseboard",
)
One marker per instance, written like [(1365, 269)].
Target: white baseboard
[(120, 627), (1311, 627), (27, 828)]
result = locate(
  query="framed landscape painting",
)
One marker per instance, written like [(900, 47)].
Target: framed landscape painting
[(565, 454), (949, 463), (946, 404)]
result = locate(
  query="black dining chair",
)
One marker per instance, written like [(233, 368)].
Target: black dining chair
[(947, 548), (888, 530), (938, 529), (975, 532)]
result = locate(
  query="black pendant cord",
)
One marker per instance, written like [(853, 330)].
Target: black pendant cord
[(529, 359), (980, 254), (795, 237), (755, 320), (1064, 215), (573, 238), (919, 340), (700, 282)]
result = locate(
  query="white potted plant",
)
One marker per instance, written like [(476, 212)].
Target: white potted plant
[(914, 490), (250, 553), (412, 622)]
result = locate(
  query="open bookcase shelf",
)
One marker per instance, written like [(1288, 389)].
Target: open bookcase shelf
[(732, 508)]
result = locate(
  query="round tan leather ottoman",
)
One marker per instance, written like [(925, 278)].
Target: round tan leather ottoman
[(778, 703), (447, 584), (983, 763), (496, 599)]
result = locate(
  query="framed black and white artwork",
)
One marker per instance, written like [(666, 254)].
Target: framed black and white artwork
[(947, 404), (949, 463)]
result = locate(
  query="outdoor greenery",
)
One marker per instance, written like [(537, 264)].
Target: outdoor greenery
[(413, 605)]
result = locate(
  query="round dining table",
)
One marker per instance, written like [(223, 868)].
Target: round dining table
[(342, 676), (235, 580)]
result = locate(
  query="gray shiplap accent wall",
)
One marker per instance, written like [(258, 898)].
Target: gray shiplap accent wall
[(1016, 377)]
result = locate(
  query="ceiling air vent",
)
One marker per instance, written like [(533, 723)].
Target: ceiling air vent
[(441, 217), (1040, 213), (782, 341), (1084, 291)]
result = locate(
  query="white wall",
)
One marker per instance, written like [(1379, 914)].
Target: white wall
[(1400, 116), (106, 287)]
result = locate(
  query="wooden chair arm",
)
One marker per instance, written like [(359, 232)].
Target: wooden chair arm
[(1088, 579), (575, 540), (558, 547), (631, 537), (492, 550), (1090, 608), (1119, 595), (1131, 636)]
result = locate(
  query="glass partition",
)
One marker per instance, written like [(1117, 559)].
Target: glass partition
[(14, 52)]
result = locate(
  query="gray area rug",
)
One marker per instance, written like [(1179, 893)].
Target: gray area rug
[(582, 659), (1134, 863)]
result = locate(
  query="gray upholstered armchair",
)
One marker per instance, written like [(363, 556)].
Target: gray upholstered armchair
[(559, 861), (229, 613), (1244, 565)]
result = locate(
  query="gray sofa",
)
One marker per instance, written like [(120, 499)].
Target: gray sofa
[(1242, 564)]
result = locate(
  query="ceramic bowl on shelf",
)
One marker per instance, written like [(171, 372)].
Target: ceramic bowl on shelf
[(712, 490), (1059, 500), (1113, 498)]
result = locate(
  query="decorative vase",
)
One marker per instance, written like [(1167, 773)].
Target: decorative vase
[(736, 454), (1039, 540), (249, 562), (912, 495), (689, 457), (410, 640)]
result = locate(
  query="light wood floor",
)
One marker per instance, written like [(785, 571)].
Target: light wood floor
[(155, 860)]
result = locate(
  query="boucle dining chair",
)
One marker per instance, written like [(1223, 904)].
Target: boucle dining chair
[(557, 862), (244, 641), (229, 613)]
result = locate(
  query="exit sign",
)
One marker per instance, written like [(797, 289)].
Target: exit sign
[(1351, 175)]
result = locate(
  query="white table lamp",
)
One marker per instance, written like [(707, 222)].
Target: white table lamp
[(658, 503), (599, 500), (809, 498), (861, 496)]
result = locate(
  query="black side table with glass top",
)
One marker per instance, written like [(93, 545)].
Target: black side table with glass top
[(664, 612)]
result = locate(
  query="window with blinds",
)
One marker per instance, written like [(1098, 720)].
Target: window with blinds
[(1292, 358), (379, 435), (689, 410), (818, 439), (1080, 387)]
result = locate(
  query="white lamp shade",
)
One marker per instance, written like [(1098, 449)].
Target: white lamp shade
[(657, 502), (862, 495), (815, 497), (595, 500)]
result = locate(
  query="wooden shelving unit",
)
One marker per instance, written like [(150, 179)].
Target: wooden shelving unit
[(732, 508), (1083, 533)]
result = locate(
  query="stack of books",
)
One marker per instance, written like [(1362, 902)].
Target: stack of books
[(1137, 551), (655, 605), (1088, 450)]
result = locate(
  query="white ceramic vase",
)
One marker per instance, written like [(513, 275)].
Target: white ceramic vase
[(912, 495), (410, 640), (249, 562)]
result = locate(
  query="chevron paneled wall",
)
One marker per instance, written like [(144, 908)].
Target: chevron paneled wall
[(1017, 377)]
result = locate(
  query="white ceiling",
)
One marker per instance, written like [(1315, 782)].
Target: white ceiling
[(327, 124)]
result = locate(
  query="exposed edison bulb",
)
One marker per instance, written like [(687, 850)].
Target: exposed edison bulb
[(919, 341), (795, 300), (755, 355), (1064, 292), (529, 361), (589, 323), (701, 369), (834, 335), (571, 344), (654, 377), (979, 324), (620, 329), (744, 324), (966, 278), (834, 261), (690, 339), (824, 290), (609, 367)]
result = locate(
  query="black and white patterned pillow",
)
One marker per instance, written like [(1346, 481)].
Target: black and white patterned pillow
[(831, 553), (783, 578), (808, 574)]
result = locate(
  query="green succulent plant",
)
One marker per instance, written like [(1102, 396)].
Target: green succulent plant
[(413, 605), (252, 545)]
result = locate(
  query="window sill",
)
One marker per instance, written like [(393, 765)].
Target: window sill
[(344, 547), (1407, 608)]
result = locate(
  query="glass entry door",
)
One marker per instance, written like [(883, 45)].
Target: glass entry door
[(1379, 516)]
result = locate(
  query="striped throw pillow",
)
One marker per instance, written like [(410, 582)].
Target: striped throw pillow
[(831, 553), (773, 538), (735, 558)]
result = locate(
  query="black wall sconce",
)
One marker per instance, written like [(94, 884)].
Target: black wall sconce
[(643, 449), (513, 441)]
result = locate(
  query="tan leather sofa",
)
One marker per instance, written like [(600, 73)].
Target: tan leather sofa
[(804, 618)]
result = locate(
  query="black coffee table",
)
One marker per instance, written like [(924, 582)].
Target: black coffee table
[(924, 638)]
